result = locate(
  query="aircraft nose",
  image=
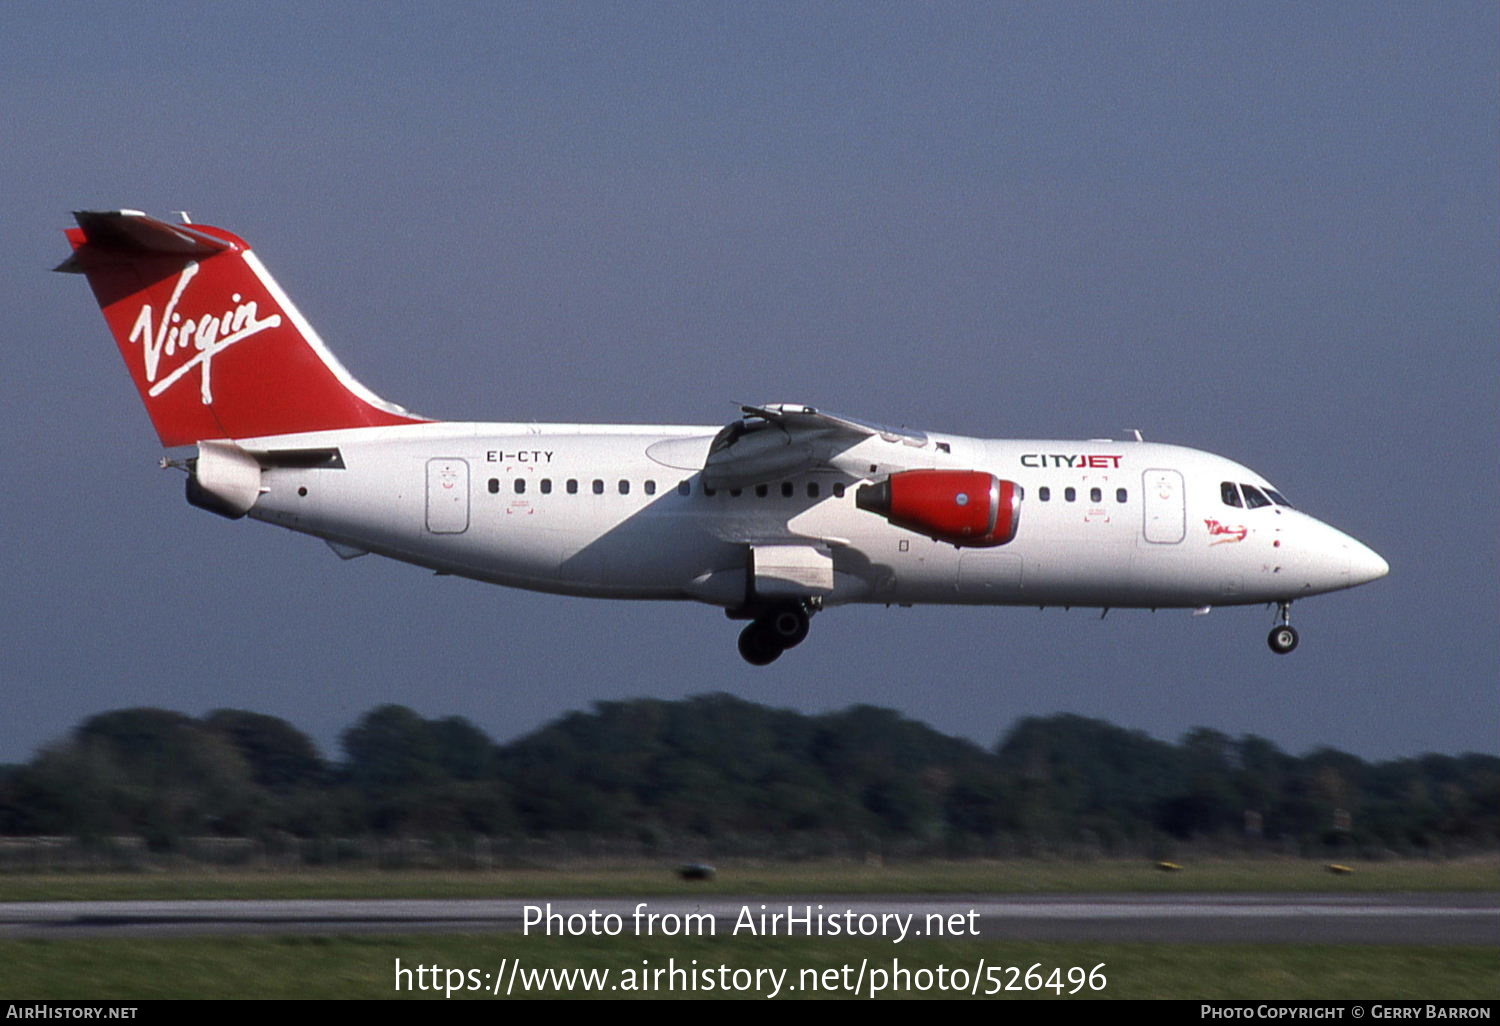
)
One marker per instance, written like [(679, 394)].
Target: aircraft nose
[(1365, 564), (1333, 560)]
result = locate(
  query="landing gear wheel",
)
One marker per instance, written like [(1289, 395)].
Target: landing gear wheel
[(1283, 638), (788, 624), (758, 645)]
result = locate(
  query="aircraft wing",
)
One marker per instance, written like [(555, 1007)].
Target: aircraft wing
[(779, 440)]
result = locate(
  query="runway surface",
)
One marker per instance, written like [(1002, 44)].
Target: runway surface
[(1457, 918)]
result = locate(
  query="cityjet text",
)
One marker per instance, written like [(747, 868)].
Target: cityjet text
[(1077, 461)]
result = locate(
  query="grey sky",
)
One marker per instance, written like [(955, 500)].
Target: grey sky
[(1266, 230)]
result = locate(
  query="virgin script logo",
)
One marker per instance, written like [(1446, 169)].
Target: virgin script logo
[(1224, 533), (205, 337)]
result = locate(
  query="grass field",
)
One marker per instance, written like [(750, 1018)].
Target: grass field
[(927, 877), (364, 967)]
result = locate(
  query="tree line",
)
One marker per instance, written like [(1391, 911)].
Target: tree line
[(719, 775)]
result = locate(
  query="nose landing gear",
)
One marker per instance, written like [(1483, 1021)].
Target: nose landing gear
[(773, 631), (1283, 637)]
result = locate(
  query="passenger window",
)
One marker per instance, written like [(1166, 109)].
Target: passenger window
[(1070, 494), (812, 489), (1230, 494), (1122, 496), (786, 489), (624, 487), (572, 486), (1044, 493), (735, 493), (598, 487), (546, 486), (520, 486), (494, 486), (650, 487), (1096, 495), (684, 488), (838, 490), (762, 491), (710, 492), (1253, 497)]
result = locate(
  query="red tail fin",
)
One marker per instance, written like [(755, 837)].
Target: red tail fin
[(216, 348)]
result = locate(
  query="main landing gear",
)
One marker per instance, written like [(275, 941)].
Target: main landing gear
[(774, 630), (1283, 637)]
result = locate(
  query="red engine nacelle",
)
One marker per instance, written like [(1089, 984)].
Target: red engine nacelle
[(962, 507)]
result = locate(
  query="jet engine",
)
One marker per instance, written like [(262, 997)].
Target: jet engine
[(961, 507)]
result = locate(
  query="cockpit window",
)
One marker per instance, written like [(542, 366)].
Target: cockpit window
[(1231, 494), (1254, 498), (1279, 499)]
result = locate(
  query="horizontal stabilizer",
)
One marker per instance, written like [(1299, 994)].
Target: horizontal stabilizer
[(132, 232)]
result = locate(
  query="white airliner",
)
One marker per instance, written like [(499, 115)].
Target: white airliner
[(786, 511)]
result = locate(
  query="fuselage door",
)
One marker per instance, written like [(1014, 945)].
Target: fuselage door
[(447, 496), (1165, 512)]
